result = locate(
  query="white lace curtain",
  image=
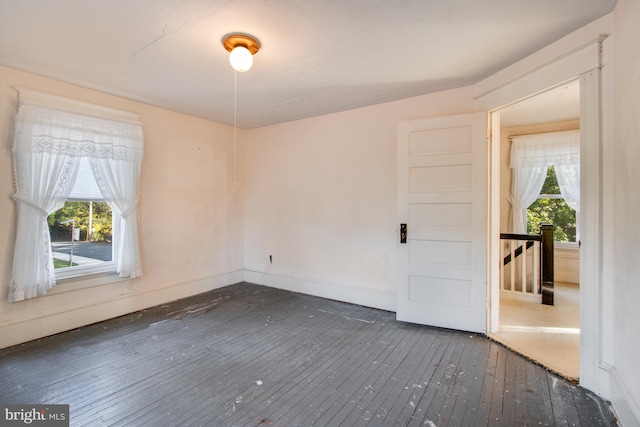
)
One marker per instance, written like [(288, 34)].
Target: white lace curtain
[(48, 147), (531, 155)]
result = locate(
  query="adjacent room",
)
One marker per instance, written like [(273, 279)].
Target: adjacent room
[(290, 213), (547, 128)]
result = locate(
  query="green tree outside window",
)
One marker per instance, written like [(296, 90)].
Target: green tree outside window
[(102, 220), (551, 208)]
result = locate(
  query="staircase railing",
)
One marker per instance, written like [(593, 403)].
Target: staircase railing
[(534, 276)]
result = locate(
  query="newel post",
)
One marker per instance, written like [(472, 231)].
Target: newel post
[(547, 263)]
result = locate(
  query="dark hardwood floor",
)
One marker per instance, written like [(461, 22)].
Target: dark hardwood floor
[(248, 355)]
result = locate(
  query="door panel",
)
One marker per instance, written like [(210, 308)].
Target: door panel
[(442, 175)]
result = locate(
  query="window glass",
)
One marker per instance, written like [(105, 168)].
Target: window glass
[(81, 234), (551, 208)]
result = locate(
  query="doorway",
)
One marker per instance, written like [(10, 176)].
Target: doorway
[(582, 61), (547, 334)]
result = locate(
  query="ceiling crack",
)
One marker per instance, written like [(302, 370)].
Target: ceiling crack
[(165, 33)]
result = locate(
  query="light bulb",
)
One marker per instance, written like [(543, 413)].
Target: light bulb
[(241, 59)]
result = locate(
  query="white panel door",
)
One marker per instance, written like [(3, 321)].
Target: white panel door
[(442, 197)]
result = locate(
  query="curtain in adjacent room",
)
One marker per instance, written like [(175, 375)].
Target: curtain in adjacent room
[(527, 183), (531, 155)]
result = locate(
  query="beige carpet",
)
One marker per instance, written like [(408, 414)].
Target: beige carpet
[(550, 335)]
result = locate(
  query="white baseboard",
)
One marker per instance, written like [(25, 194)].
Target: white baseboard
[(19, 331), (384, 300), (627, 410), (602, 386)]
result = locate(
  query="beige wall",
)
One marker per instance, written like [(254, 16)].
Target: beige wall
[(321, 199), (191, 218), (626, 206)]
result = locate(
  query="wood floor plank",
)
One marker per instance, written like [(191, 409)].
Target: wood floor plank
[(306, 380), (496, 409), (361, 388), (392, 397), (509, 404), (521, 390), (558, 407), (366, 412), (331, 321), (433, 394), (403, 408), (444, 411), (230, 363), (163, 374), (591, 410), (470, 380), (338, 385), (248, 355), (479, 406), (538, 403), (186, 358)]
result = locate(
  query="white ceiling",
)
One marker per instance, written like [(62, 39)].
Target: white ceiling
[(317, 56), (559, 104)]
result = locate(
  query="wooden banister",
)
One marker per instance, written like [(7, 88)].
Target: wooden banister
[(527, 237), (546, 257), (547, 267)]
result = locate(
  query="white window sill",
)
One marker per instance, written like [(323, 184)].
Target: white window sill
[(85, 270), (77, 278)]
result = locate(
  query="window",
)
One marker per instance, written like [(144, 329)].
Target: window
[(65, 152), (546, 183), (551, 207), (82, 231)]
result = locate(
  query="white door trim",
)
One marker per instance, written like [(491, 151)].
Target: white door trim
[(576, 61), (493, 218), (584, 61)]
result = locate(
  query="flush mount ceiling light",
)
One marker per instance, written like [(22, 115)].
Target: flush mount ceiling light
[(241, 48)]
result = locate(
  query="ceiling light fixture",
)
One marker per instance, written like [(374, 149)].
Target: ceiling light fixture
[(241, 48)]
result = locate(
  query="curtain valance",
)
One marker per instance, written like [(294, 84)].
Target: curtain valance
[(45, 130), (542, 150)]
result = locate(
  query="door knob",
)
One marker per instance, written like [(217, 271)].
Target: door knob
[(403, 233)]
